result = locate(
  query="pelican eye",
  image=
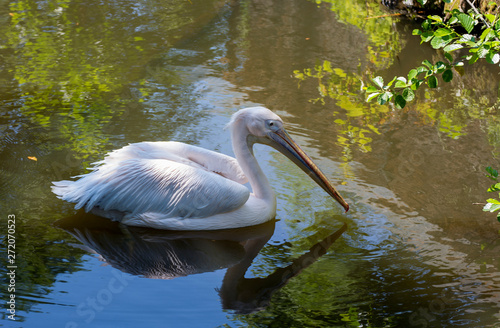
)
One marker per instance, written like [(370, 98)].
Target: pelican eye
[(272, 125)]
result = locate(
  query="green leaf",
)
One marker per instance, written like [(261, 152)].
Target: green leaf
[(379, 81), (440, 67), (498, 217), (447, 75), (453, 47), (495, 187), (487, 34), (371, 89), (467, 38), (428, 64), (453, 20), (384, 97), (432, 82), (492, 171), (372, 96), (416, 32), (440, 42), (402, 79), (436, 18), (490, 207), (392, 81), (426, 36), (412, 74), (442, 32), (400, 83), (381, 100), (482, 51), (408, 94), (493, 58), (400, 102), (426, 24), (466, 21), (416, 84), (493, 201), (490, 17), (473, 59), (448, 56), (421, 69)]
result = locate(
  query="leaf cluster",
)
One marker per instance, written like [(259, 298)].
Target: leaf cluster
[(493, 204), (445, 35)]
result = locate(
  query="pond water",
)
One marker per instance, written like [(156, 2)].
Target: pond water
[(81, 78)]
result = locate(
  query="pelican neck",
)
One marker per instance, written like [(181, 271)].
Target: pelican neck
[(243, 143)]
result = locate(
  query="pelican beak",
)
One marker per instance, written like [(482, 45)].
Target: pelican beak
[(285, 144)]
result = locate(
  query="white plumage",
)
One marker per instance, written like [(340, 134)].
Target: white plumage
[(172, 185)]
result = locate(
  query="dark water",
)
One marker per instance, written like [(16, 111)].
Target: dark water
[(81, 78)]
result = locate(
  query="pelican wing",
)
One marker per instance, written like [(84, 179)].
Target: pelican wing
[(181, 153), (135, 185)]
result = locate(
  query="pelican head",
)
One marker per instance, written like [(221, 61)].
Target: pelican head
[(265, 127)]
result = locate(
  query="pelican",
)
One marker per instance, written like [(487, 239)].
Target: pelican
[(175, 186)]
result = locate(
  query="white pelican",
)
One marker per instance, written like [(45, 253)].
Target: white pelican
[(172, 185)]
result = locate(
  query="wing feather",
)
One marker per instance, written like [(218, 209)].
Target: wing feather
[(179, 152), (141, 185)]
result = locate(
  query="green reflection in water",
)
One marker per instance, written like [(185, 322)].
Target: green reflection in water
[(68, 63), (77, 65), (359, 121), (384, 41)]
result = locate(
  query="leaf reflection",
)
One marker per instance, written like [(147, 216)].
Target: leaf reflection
[(77, 66), (469, 98), (359, 121)]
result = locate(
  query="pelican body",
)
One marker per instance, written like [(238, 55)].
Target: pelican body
[(176, 186)]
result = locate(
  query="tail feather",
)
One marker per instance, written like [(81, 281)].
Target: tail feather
[(68, 191), (62, 188)]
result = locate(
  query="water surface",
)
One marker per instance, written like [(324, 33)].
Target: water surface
[(81, 78)]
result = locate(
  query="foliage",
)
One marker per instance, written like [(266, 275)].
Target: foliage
[(493, 204), (358, 121), (445, 35), (469, 99)]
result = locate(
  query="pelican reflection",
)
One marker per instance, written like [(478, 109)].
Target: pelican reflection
[(161, 254)]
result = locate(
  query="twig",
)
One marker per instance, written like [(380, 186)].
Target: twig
[(481, 16)]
